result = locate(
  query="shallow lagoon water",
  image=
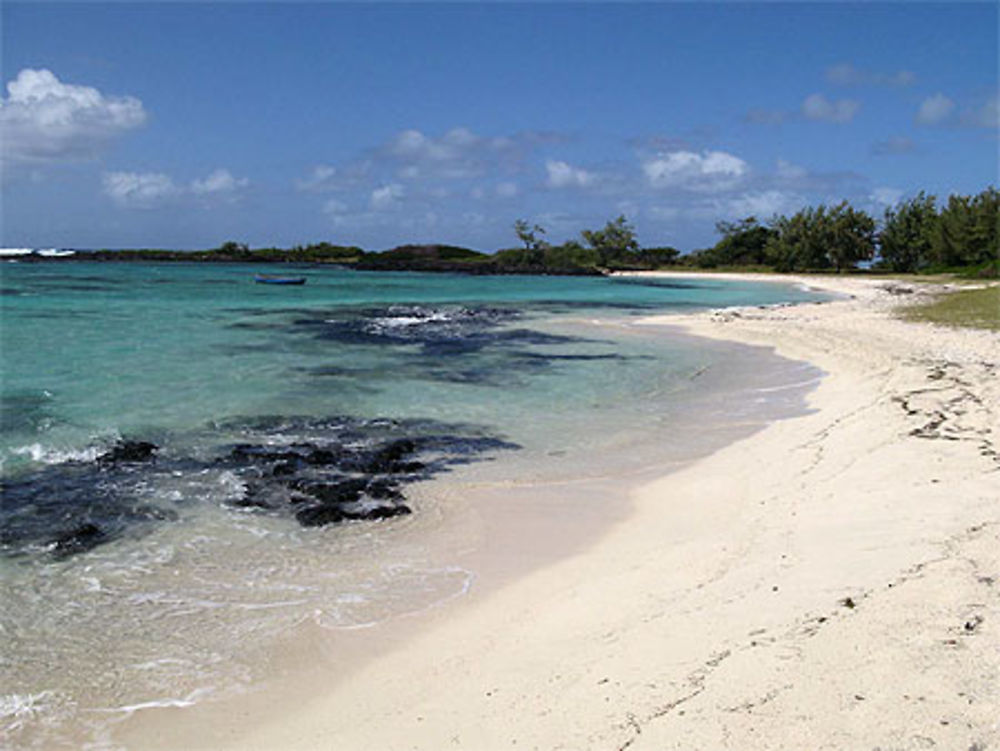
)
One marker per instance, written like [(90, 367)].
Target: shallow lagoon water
[(178, 607)]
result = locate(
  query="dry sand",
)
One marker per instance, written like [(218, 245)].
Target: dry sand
[(832, 582)]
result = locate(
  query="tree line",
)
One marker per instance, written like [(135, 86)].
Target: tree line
[(613, 247), (915, 235)]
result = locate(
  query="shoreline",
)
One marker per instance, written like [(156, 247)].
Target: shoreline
[(715, 614)]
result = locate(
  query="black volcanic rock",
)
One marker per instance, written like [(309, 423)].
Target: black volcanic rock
[(77, 540), (315, 471), (319, 516), (129, 451), (336, 493)]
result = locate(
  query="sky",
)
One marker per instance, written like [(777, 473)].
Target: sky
[(186, 125)]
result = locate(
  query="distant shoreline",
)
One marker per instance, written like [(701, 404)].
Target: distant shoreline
[(428, 265)]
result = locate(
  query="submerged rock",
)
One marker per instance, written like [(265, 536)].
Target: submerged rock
[(78, 540), (311, 471), (129, 451)]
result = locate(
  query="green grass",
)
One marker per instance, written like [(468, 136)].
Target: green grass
[(972, 308)]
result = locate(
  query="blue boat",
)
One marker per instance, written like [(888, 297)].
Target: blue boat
[(267, 279)]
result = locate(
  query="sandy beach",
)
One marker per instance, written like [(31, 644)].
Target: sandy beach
[(831, 582)]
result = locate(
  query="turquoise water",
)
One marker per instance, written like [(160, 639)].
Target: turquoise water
[(150, 583), (93, 351)]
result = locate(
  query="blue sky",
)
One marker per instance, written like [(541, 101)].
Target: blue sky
[(186, 125)]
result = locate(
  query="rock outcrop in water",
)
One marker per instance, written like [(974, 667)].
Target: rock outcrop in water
[(314, 472), (128, 451)]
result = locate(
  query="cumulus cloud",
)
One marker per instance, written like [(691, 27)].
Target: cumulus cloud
[(43, 119), (147, 190), (142, 190), (845, 74), (412, 144), (935, 110), (763, 204), (386, 196), (818, 107), (563, 175), (459, 153), (320, 178), (709, 170), (220, 183)]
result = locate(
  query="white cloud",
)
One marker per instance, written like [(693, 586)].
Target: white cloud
[(708, 171), (935, 109), (45, 120), (412, 144), (459, 153), (142, 190), (146, 190), (386, 196), (764, 204), (818, 107), (563, 175), (220, 182), (846, 74), (320, 178)]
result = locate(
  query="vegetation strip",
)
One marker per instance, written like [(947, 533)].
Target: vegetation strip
[(974, 308), (913, 236)]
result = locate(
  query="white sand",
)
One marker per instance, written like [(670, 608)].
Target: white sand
[(714, 615)]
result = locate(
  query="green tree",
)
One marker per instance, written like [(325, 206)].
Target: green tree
[(233, 250), (743, 243), (615, 243), (967, 230), (656, 257), (818, 238), (906, 238), (952, 238), (529, 235), (985, 239), (570, 255), (850, 236), (797, 243)]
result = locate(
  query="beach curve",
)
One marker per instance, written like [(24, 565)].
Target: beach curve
[(831, 581)]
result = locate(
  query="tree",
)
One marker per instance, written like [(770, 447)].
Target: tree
[(952, 240), (906, 238), (529, 235), (986, 227), (796, 243), (233, 249), (656, 257), (818, 238), (615, 243), (743, 243), (850, 236)]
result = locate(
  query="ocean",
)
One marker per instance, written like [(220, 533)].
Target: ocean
[(195, 466)]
